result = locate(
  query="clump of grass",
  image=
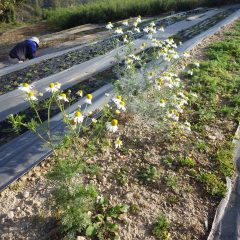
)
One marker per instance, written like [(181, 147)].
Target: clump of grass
[(121, 177), (168, 161), (217, 82), (201, 145), (213, 184), (148, 174), (171, 181), (187, 162), (225, 159), (72, 206), (161, 228)]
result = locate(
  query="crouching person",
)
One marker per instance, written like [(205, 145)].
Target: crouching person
[(25, 50)]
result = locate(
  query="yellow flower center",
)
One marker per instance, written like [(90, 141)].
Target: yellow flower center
[(63, 95), (151, 74), (77, 114), (31, 94), (114, 122), (162, 101), (122, 103), (119, 97), (119, 142), (51, 85), (89, 96), (25, 85), (160, 81)]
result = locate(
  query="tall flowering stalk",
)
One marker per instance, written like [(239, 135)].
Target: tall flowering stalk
[(151, 91)]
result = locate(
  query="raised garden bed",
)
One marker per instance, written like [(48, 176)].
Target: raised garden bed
[(191, 32)]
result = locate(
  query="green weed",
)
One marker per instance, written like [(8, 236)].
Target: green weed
[(187, 162), (161, 228), (171, 181), (225, 159), (213, 184), (148, 174)]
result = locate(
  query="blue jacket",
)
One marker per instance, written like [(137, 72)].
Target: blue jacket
[(24, 50)]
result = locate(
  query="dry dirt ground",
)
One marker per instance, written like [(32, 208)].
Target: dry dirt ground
[(23, 214)]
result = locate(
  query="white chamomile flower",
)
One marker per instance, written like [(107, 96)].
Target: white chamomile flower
[(162, 103), (139, 19), (25, 87), (125, 23), (136, 29), (186, 55), (184, 66), (181, 94), (89, 213), (31, 96), (161, 29), (118, 143), (179, 108), (88, 99), (99, 198), (196, 64), (151, 75), (58, 85), (109, 26), (63, 97), (194, 95), (155, 42), (150, 36), (125, 39), (121, 106), (52, 88), (169, 84), (146, 29), (143, 46), (80, 93), (152, 24), (117, 112), (130, 32), (94, 120), (136, 58), (112, 126), (117, 100), (135, 24), (186, 126), (153, 30), (175, 56), (173, 115), (118, 31), (77, 117)]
